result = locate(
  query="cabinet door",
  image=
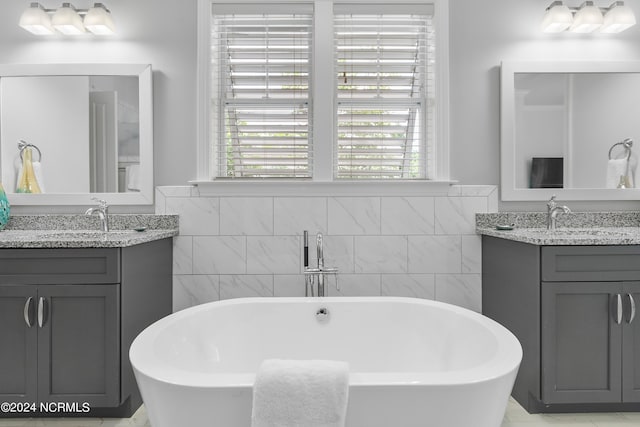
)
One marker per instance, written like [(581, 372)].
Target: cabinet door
[(78, 344), (581, 342), (631, 343), (18, 352)]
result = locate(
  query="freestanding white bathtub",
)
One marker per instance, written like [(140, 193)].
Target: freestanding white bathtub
[(412, 362)]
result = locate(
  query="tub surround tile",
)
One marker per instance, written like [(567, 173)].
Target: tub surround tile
[(191, 290), (435, 254), (407, 215), (273, 254), (475, 190), (471, 254), (352, 285), (244, 286), (246, 216), (183, 255), (409, 285), (381, 254), (354, 215), (457, 215), (160, 202), (175, 190), (464, 290), (404, 245), (493, 201), (219, 255), (290, 285), (338, 252), (293, 215), (198, 216)]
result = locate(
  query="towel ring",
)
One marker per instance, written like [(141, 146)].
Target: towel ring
[(23, 145), (627, 144)]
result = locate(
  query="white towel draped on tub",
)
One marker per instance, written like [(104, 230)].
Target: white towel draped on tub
[(300, 393)]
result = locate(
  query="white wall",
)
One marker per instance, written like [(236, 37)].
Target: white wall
[(483, 33)]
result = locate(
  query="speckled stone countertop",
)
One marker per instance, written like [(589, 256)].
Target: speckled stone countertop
[(82, 231), (579, 228)]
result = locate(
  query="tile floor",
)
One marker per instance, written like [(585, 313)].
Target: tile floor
[(515, 417)]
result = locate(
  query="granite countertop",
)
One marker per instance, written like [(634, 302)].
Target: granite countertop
[(80, 231), (568, 236), (580, 228)]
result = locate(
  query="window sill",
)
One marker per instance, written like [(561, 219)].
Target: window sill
[(315, 188)]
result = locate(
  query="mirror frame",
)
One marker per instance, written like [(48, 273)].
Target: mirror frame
[(508, 189), (145, 94)]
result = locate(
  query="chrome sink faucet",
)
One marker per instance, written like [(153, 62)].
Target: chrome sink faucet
[(553, 209), (102, 211)]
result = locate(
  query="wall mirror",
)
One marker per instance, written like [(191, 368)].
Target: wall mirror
[(89, 129), (570, 129)]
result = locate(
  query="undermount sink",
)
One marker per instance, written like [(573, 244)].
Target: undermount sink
[(576, 232)]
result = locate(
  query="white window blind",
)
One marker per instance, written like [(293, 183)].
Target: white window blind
[(384, 66), (261, 93)]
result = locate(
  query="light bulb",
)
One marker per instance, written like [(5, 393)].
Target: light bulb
[(557, 18), (99, 21), (67, 21), (618, 18), (36, 20), (587, 19)]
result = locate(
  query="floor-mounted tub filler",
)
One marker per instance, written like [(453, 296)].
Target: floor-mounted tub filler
[(413, 363)]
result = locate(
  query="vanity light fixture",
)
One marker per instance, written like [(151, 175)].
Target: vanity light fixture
[(99, 21), (618, 18), (68, 20), (557, 18), (36, 20), (588, 18)]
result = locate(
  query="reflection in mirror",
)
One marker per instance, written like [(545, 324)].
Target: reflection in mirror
[(88, 130), (576, 118), (85, 130), (568, 129)]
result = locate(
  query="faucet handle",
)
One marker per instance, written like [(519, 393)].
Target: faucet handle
[(102, 202), (552, 202)]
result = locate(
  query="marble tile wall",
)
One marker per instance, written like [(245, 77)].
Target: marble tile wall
[(231, 247)]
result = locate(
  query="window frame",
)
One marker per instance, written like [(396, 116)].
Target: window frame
[(323, 105)]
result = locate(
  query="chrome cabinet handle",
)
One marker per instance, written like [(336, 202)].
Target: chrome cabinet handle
[(618, 309), (41, 308), (26, 312), (632, 303)]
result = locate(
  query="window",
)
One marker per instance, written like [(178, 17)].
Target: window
[(384, 74), (261, 65), (379, 117)]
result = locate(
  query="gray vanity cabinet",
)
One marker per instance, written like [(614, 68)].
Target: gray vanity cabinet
[(67, 320), (631, 349), (571, 309), (78, 345), (69, 344), (18, 354)]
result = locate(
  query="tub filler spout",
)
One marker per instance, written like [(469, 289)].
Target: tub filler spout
[(319, 274)]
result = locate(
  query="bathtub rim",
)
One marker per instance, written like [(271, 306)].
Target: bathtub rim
[(506, 359)]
